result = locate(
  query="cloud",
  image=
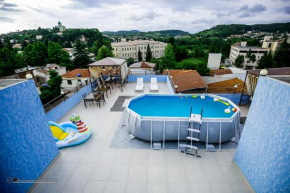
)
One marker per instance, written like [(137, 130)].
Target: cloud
[(6, 19), (243, 8), (150, 15), (202, 21), (286, 10), (8, 7), (219, 15), (247, 11), (257, 8)]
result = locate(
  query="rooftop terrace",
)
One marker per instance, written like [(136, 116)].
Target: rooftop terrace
[(95, 167)]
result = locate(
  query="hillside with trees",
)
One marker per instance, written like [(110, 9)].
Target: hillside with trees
[(150, 34), (239, 29)]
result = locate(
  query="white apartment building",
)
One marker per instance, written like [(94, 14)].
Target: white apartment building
[(271, 44), (242, 49), (130, 49)]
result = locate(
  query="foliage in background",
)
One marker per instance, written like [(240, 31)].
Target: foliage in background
[(130, 61), (168, 59), (148, 54), (53, 89), (140, 58), (239, 61), (57, 55), (35, 54), (81, 58), (103, 52)]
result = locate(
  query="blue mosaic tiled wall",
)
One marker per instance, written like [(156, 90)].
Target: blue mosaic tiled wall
[(60, 110), (26, 142), (263, 153)]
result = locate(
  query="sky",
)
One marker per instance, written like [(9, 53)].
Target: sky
[(144, 15)]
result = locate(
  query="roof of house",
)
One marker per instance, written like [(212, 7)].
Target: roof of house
[(143, 65), (75, 72), (108, 62), (273, 71), (186, 79), (226, 86), (220, 72), (213, 79)]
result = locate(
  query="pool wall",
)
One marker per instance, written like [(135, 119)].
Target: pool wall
[(27, 144), (175, 128), (263, 153)]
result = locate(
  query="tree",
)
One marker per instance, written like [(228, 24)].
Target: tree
[(130, 61), (239, 61), (103, 52), (282, 55), (52, 90), (148, 54), (82, 54), (9, 61), (35, 54), (1, 45), (168, 58), (250, 57), (140, 58), (266, 61), (7, 44), (57, 55), (180, 53)]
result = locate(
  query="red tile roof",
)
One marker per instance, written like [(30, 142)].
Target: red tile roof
[(220, 72), (186, 79), (75, 72), (227, 86)]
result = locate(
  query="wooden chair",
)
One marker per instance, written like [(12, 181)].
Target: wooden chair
[(102, 88)]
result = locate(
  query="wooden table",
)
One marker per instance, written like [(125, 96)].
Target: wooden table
[(94, 97), (102, 89)]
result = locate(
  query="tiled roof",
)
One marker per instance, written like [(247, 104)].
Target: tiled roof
[(226, 86), (73, 73), (273, 71), (108, 62), (186, 79), (143, 65), (220, 72)]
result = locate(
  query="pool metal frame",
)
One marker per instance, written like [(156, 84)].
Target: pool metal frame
[(179, 119)]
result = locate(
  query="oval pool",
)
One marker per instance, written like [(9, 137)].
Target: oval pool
[(160, 117)]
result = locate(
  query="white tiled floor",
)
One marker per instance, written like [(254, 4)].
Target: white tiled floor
[(94, 167)]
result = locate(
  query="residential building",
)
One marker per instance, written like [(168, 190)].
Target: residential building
[(214, 61), (22, 72), (39, 37), (269, 43), (242, 49), (230, 86), (17, 46), (42, 73), (186, 81), (71, 52), (130, 49), (75, 77)]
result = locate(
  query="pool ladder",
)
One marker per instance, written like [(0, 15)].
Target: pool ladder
[(193, 118)]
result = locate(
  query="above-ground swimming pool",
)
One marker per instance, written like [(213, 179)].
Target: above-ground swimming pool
[(163, 117)]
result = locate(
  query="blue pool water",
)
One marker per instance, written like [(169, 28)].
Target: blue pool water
[(174, 106)]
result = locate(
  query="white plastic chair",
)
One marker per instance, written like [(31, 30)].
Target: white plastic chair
[(153, 85), (140, 85)]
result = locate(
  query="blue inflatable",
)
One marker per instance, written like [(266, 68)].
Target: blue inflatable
[(69, 134)]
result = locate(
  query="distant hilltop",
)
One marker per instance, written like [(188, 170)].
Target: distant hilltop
[(239, 29), (147, 34)]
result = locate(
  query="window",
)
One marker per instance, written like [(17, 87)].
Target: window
[(69, 82)]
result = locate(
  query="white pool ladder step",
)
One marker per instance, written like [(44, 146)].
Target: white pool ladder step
[(193, 118), (194, 130), (192, 147), (192, 139)]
